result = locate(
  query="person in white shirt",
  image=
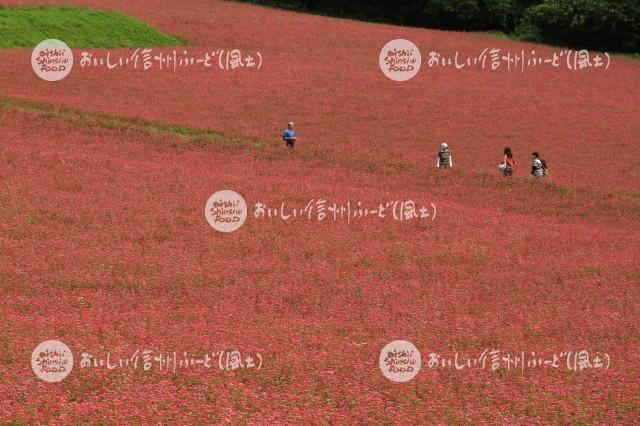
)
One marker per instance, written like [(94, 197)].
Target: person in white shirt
[(538, 166)]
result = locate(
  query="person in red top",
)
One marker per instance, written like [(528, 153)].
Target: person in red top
[(509, 163)]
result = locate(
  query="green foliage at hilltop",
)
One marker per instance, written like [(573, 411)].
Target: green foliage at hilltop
[(593, 24)]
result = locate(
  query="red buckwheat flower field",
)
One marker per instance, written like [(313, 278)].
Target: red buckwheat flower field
[(514, 300)]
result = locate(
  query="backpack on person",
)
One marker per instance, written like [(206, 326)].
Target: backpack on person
[(545, 170)]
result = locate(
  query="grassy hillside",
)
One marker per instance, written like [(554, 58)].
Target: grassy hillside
[(78, 27)]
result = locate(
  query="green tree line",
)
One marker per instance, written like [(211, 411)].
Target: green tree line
[(612, 25)]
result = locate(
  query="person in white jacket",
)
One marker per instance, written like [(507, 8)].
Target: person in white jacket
[(538, 166)]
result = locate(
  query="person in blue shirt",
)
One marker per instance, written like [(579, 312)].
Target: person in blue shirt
[(289, 136)]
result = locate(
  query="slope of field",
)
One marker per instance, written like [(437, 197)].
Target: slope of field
[(104, 245)]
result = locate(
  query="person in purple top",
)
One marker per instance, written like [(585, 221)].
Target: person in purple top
[(289, 136)]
